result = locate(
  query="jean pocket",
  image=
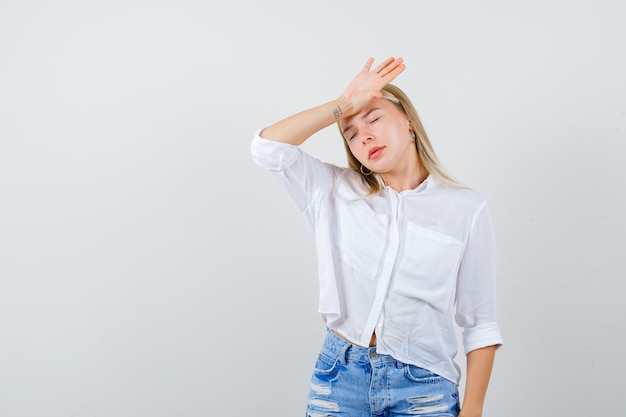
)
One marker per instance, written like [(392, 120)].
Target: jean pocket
[(326, 367), (417, 374)]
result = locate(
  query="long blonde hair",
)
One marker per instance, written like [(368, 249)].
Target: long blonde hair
[(425, 150)]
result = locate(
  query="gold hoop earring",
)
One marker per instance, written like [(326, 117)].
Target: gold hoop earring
[(366, 173)]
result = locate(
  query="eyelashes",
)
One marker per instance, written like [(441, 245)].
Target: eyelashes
[(352, 133)]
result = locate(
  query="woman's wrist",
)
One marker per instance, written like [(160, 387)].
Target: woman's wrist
[(471, 412), (342, 108)]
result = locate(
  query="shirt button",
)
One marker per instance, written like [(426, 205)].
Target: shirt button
[(373, 354)]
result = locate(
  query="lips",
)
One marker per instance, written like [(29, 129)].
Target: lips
[(375, 152)]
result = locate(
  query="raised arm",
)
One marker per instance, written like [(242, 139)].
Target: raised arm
[(365, 86)]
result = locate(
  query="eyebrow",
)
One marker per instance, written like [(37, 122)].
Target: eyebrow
[(345, 129)]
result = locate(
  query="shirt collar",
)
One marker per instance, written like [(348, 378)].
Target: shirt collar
[(427, 184)]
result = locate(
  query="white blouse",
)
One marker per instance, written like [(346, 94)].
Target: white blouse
[(404, 265)]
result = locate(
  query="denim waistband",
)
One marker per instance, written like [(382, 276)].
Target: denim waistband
[(335, 346)]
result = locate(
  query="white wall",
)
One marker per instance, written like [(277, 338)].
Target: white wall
[(149, 268)]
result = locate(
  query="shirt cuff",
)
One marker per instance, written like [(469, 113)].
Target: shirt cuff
[(481, 336), (272, 155)]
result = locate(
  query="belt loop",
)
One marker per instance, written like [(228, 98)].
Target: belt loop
[(343, 354)]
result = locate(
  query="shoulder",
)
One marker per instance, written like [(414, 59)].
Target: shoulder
[(465, 199)]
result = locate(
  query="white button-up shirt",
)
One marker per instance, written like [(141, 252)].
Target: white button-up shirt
[(404, 265)]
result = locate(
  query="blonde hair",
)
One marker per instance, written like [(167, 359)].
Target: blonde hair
[(425, 150)]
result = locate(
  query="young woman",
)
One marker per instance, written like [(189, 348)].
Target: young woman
[(404, 250)]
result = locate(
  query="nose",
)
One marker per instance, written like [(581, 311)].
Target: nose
[(365, 136)]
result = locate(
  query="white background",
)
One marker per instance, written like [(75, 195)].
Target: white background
[(149, 268)]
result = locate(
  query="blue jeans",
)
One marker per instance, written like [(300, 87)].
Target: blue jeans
[(354, 381)]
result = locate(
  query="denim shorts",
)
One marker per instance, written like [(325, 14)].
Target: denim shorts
[(354, 381)]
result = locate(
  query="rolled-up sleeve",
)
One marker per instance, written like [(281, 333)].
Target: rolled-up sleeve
[(300, 173), (476, 286)]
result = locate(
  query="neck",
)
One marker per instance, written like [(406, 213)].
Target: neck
[(406, 179)]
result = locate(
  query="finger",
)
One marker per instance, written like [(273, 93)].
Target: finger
[(394, 73), (389, 69), (384, 64), (368, 65), (392, 65)]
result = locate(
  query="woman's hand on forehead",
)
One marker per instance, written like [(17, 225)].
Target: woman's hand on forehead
[(367, 84)]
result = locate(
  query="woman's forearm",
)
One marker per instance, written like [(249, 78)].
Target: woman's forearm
[(479, 366), (299, 127)]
